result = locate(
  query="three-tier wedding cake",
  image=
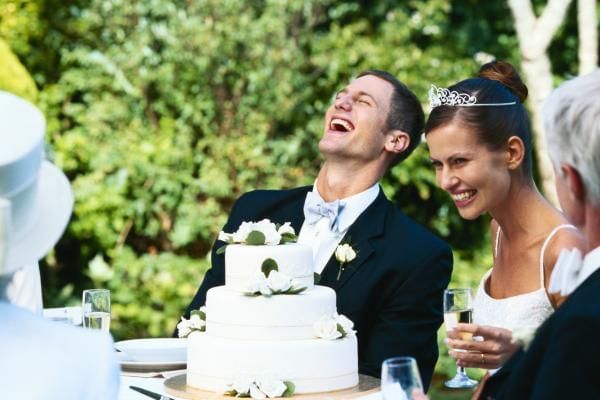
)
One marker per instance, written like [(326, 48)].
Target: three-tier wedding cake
[(270, 319)]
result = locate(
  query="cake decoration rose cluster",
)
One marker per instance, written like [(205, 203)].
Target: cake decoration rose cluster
[(261, 387), (259, 233), (197, 322), (270, 281), (334, 326)]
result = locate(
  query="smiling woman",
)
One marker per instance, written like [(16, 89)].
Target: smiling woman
[(481, 152)]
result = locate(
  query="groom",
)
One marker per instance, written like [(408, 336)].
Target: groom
[(393, 289)]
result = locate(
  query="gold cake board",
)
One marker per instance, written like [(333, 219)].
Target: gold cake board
[(177, 386)]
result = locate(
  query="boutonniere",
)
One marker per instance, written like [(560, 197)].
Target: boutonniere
[(523, 336), (344, 254)]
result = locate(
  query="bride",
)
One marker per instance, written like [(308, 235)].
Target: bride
[(479, 138)]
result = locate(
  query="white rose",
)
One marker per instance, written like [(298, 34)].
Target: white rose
[(272, 387), (267, 228), (346, 323), (225, 237), (242, 384), (279, 282), (286, 229), (183, 328), (345, 253), (196, 322), (243, 231), (326, 328), (256, 393), (258, 284)]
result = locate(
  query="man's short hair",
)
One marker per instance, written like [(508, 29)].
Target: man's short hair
[(572, 125), (405, 113)]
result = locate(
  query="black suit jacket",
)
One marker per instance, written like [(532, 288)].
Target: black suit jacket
[(563, 361), (392, 291)]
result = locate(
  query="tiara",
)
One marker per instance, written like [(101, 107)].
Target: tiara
[(445, 97)]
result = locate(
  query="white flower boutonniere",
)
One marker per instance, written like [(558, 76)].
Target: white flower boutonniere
[(197, 322), (344, 254)]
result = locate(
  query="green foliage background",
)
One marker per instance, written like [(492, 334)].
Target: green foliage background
[(163, 112)]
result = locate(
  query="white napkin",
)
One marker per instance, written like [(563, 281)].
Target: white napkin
[(570, 270)]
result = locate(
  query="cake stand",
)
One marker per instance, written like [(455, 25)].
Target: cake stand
[(177, 386)]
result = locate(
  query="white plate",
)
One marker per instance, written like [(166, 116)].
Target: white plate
[(152, 354)]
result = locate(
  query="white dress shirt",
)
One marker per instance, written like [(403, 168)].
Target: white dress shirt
[(321, 238)]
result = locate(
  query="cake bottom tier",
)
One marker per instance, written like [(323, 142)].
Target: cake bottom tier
[(313, 365)]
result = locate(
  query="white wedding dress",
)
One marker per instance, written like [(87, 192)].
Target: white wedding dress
[(523, 311)]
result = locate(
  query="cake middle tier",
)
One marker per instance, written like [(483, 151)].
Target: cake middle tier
[(230, 314), (243, 263)]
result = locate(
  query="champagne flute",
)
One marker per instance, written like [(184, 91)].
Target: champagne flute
[(458, 308), (96, 309), (399, 377)]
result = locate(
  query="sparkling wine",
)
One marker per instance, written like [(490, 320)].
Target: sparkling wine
[(452, 318), (97, 320)]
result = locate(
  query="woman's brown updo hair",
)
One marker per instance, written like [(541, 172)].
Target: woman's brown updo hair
[(498, 82)]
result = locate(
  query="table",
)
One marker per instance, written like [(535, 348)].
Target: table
[(156, 384)]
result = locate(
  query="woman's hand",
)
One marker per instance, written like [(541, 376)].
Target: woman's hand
[(490, 353)]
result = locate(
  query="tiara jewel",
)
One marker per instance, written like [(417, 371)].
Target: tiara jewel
[(445, 97)]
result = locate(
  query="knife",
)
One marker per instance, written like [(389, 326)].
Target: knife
[(149, 393)]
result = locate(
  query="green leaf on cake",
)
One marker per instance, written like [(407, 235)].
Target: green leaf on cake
[(290, 388), (269, 265), (288, 238), (295, 290), (317, 278), (255, 238), (341, 330), (221, 250)]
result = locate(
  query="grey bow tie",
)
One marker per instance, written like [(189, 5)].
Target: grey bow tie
[(316, 208)]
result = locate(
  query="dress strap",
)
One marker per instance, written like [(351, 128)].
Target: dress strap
[(497, 245), (546, 242)]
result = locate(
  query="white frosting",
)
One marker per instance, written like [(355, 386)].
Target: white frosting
[(314, 365), (243, 263), (281, 317)]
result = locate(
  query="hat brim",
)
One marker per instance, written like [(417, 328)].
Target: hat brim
[(53, 206)]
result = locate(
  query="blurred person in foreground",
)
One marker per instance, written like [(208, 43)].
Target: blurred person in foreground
[(393, 290), (40, 359), (480, 144)]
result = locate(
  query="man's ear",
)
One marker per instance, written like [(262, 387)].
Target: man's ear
[(397, 141), (515, 152), (574, 182)]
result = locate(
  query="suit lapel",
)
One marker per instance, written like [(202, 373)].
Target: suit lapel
[(367, 226)]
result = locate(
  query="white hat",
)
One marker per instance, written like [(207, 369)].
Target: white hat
[(39, 194)]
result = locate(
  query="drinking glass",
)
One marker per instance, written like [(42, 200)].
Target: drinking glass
[(399, 377), (458, 307), (96, 309)]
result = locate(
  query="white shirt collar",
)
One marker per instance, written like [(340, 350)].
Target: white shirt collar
[(570, 270), (353, 205)]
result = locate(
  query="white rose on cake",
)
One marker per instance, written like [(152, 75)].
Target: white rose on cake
[(267, 228), (346, 324), (327, 328), (184, 328), (260, 285), (279, 282), (271, 387), (286, 229), (243, 231)]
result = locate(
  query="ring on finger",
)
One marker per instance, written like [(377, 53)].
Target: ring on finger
[(482, 358)]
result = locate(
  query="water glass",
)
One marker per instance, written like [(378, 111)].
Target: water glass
[(96, 309), (399, 377)]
